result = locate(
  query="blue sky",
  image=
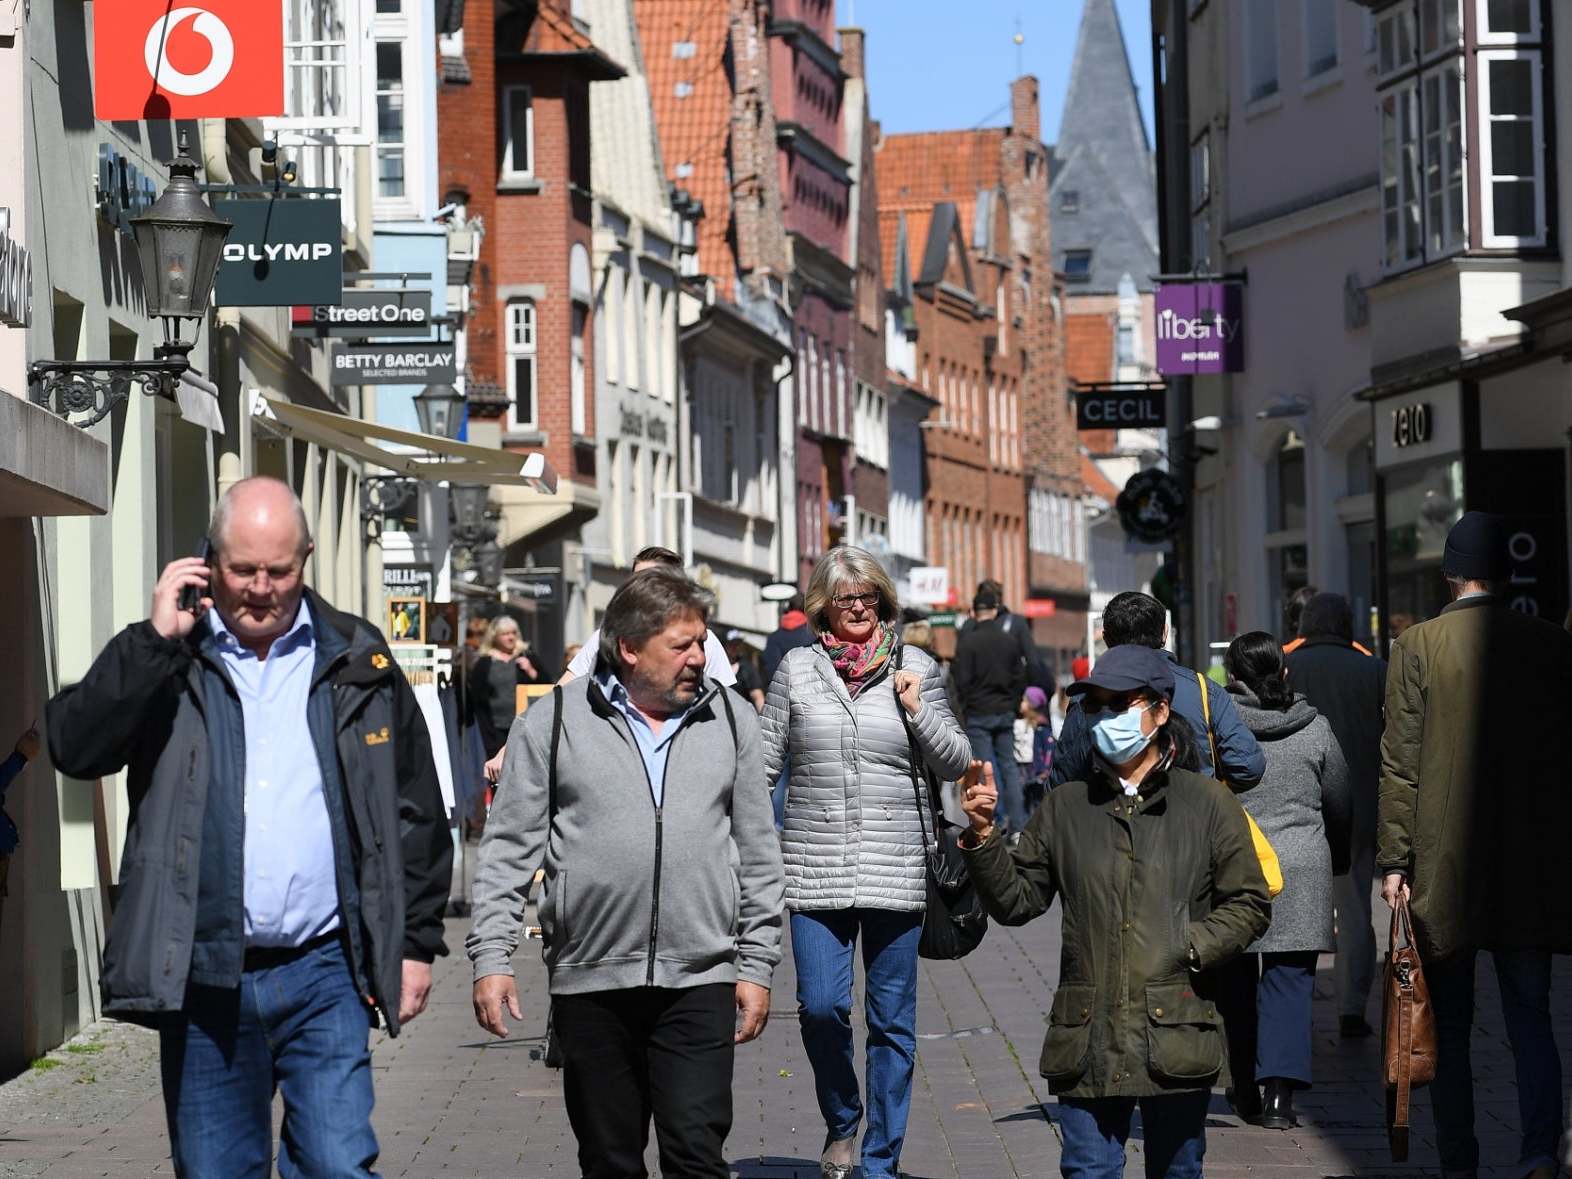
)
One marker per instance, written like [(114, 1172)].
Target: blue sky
[(930, 71)]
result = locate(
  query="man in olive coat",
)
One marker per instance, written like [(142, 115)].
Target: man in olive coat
[(1474, 814)]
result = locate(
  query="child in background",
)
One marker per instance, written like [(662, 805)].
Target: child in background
[(1033, 745)]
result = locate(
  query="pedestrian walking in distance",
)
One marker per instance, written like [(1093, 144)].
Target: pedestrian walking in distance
[(287, 857), (1302, 806), (990, 678), (640, 789), (847, 711), (1347, 685), (1159, 881), (1474, 814)]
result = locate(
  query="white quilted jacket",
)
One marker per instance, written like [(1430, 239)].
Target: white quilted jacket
[(852, 835)]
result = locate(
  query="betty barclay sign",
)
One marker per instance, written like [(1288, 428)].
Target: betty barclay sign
[(364, 312), (281, 252), (1200, 328), (394, 364), (187, 59)]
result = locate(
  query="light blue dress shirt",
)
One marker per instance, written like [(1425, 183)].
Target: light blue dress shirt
[(291, 887), (652, 747)]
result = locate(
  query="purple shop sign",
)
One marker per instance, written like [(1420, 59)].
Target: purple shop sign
[(1200, 328)]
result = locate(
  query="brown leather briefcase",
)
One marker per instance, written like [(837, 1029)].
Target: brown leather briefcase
[(1410, 1030)]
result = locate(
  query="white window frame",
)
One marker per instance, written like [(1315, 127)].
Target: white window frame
[(405, 203), (1320, 68), (652, 342), (1486, 36), (1256, 88), (1409, 181), (521, 318), (346, 48), (632, 314), (1447, 245), (1490, 239), (578, 369), (509, 172), (609, 322), (1443, 46), (1401, 24)]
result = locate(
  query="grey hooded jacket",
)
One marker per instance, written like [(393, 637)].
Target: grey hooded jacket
[(1303, 807), (679, 895), (853, 836)]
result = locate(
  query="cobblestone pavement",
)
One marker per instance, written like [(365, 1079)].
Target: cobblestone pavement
[(450, 1103)]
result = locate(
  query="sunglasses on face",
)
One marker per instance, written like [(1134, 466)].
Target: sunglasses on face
[(847, 601), (1123, 702)]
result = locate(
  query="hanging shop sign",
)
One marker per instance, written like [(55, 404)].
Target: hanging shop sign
[(364, 312), (188, 59), (16, 277), (407, 581), (1039, 607), (281, 252), (1151, 506), (1200, 328), (124, 190), (1419, 426), (1139, 408), (930, 585), (425, 363)]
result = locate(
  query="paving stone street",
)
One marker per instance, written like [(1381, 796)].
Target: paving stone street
[(450, 1103)]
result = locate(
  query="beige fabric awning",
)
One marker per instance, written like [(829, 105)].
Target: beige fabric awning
[(424, 456)]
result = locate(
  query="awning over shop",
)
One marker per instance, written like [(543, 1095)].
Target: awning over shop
[(541, 519), (423, 456)]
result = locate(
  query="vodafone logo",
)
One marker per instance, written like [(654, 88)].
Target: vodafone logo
[(210, 26), (188, 59)]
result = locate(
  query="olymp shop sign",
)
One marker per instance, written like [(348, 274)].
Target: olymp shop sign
[(1200, 328), (281, 252)]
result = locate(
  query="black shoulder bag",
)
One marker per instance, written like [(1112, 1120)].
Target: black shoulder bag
[(954, 922)]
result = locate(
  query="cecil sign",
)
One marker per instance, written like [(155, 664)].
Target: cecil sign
[(1200, 328)]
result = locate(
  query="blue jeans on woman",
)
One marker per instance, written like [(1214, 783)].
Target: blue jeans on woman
[(993, 740), (1095, 1131), (823, 942), (301, 1027)]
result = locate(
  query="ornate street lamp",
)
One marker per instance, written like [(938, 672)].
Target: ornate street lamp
[(180, 241), (441, 410)]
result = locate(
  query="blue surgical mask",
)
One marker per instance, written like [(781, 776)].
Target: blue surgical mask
[(1119, 736)]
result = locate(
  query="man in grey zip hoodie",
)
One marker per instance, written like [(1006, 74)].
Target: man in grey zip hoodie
[(663, 895)]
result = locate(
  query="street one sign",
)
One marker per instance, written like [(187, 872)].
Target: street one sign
[(427, 363), (1200, 328), (281, 252), (188, 59), (1121, 409), (365, 312), (930, 585)]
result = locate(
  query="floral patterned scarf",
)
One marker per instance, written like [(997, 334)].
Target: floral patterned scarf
[(860, 663)]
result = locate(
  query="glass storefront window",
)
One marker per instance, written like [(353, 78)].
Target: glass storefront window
[(1422, 504), (1361, 579)]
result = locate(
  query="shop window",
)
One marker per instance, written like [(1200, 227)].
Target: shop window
[(1261, 50), (521, 337), (518, 133), (1421, 504), (1320, 36), (1291, 483), (1286, 548), (1511, 156)]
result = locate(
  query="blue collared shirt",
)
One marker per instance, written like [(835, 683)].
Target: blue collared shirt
[(652, 747), (291, 888)]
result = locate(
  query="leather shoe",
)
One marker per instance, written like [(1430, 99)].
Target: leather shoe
[(1246, 1103), (1354, 1027), (1277, 1106)]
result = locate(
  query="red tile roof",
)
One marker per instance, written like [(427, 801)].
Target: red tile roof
[(916, 171), (554, 33)]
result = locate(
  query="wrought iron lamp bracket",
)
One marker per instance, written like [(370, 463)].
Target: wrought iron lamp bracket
[(85, 392)]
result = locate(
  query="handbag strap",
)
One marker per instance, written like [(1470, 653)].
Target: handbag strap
[(1402, 940), (556, 740), (914, 758), (1206, 715)]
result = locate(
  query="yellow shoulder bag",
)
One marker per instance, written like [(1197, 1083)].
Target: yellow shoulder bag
[(1270, 867)]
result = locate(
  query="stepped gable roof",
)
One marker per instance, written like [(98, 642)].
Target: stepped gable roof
[(1104, 157)]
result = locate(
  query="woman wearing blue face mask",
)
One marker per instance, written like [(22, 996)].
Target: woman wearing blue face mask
[(1159, 880)]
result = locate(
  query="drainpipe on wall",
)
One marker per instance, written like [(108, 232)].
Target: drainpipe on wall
[(234, 447)]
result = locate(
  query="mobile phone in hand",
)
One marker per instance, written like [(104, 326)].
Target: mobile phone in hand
[(191, 596)]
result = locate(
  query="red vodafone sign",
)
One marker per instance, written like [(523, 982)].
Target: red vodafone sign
[(188, 59)]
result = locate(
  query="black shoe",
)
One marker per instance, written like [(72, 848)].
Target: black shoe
[(1354, 1027), (1277, 1110), (1246, 1103)]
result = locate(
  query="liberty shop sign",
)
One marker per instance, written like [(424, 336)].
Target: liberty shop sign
[(365, 313), (1200, 328), (281, 252)]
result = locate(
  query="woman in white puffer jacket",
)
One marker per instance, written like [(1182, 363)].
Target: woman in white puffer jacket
[(840, 712)]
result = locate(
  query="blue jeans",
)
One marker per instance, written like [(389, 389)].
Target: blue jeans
[(1095, 1130), (301, 1027), (1524, 976), (823, 942), (993, 740)]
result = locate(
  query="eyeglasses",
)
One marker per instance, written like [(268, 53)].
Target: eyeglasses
[(1122, 703), (847, 601)]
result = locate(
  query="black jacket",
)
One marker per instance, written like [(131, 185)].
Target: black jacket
[(989, 670), (782, 640), (143, 706), (1349, 689)]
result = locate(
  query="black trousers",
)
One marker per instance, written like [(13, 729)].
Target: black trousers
[(633, 1053)]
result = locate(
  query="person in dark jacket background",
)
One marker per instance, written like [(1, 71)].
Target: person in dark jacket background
[(793, 632), (990, 678), (1348, 688), (287, 858), (1138, 618)]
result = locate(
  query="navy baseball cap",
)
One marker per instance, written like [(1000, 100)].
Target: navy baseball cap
[(1129, 668)]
